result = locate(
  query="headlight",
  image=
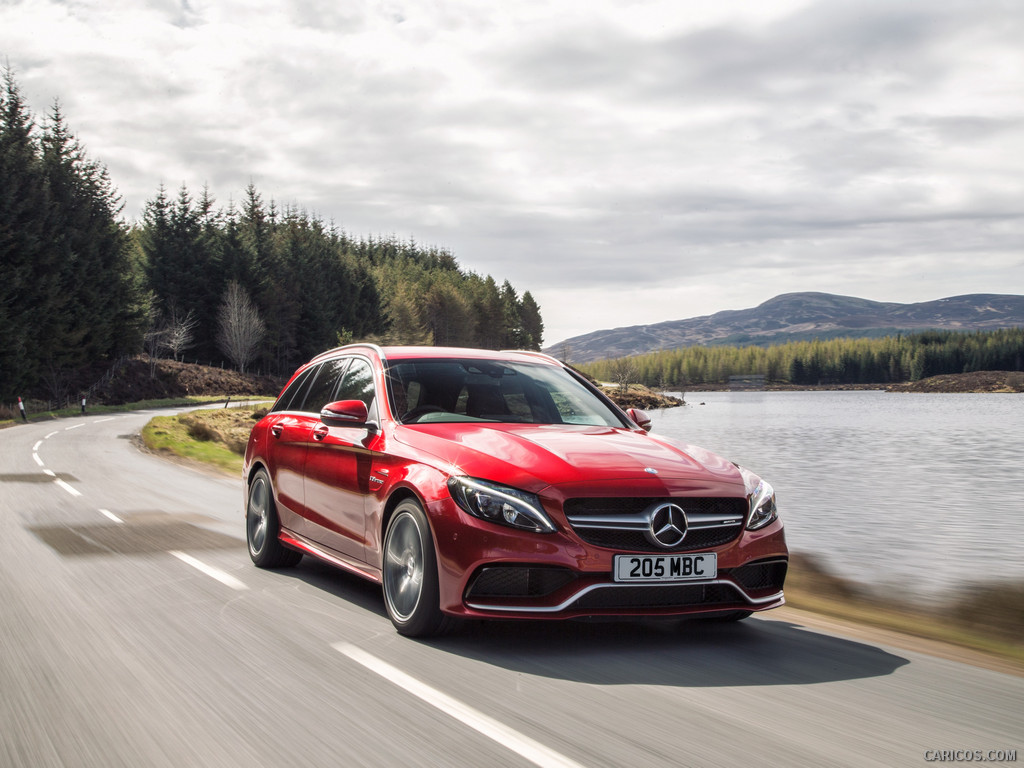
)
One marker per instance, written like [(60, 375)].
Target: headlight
[(762, 501), (500, 504)]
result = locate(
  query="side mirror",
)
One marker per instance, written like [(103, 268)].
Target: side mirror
[(640, 418), (344, 413)]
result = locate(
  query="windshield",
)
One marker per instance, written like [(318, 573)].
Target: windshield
[(425, 391)]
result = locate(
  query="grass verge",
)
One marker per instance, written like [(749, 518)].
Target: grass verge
[(908, 623), (984, 617), (216, 437)]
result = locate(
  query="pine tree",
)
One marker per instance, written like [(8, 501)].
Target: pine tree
[(86, 255), (513, 336), (490, 314), (405, 326), (533, 324), (23, 203)]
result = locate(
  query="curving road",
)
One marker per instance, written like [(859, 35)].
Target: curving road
[(135, 632)]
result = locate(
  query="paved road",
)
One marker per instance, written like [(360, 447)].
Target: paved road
[(116, 652)]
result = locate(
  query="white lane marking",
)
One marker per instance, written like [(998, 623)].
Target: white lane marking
[(61, 483), (76, 426), (111, 515), (49, 436), (523, 746), (100, 421), (214, 573), (36, 446), (37, 459), (68, 488)]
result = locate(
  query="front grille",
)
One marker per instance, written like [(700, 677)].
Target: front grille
[(518, 581), (621, 523), (766, 575), (680, 596)]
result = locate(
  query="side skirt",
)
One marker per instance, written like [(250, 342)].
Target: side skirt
[(295, 541)]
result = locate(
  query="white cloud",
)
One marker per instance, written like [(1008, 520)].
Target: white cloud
[(627, 162)]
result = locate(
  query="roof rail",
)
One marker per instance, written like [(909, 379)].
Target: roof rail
[(533, 353), (364, 344)]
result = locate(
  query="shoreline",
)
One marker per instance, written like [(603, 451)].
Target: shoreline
[(978, 382)]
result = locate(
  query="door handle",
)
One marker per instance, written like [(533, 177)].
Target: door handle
[(276, 430), (319, 433)]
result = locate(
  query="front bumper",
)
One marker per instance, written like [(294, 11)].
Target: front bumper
[(489, 571)]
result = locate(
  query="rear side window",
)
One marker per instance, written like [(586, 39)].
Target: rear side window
[(295, 390), (321, 390)]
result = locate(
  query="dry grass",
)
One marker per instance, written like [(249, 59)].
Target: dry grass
[(986, 617), (229, 426), (216, 437)]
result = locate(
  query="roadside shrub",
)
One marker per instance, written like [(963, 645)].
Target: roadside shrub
[(809, 574), (199, 430), (236, 443), (230, 427), (991, 608)]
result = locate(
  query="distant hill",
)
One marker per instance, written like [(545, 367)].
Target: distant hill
[(799, 316)]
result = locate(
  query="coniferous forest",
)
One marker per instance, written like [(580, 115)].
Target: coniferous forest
[(253, 284), (909, 357)]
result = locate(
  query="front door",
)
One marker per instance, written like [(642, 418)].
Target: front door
[(338, 468)]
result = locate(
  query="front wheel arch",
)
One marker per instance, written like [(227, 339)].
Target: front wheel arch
[(409, 571), (396, 498)]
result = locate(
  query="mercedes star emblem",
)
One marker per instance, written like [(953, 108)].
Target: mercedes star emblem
[(667, 525)]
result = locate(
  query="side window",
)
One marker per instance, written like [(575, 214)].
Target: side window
[(294, 391), (321, 391), (358, 384)]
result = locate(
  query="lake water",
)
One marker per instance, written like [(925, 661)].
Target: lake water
[(915, 491)]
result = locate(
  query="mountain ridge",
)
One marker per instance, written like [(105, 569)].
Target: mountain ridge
[(798, 316)]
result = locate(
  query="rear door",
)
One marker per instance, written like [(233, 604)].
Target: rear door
[(290, 438), (287, 442)]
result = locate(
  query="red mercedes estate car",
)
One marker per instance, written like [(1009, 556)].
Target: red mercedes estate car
[(473, 483)]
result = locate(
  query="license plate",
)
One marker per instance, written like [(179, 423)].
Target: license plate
[(666, 567)]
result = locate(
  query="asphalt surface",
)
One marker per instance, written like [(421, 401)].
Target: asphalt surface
[(134, 631)]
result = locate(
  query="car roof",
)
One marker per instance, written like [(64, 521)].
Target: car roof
[(424, 353), (442, 353)]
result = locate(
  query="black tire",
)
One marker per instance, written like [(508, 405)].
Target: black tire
[(262, 526), (409, 574)]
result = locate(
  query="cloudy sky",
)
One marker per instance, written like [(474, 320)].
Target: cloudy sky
[(626, 161)]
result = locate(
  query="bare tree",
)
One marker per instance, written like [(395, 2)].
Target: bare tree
[(625, 372), (180, 331), (240, 328), (56, 381)]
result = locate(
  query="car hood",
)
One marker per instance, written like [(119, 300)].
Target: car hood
[(540, 455)]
